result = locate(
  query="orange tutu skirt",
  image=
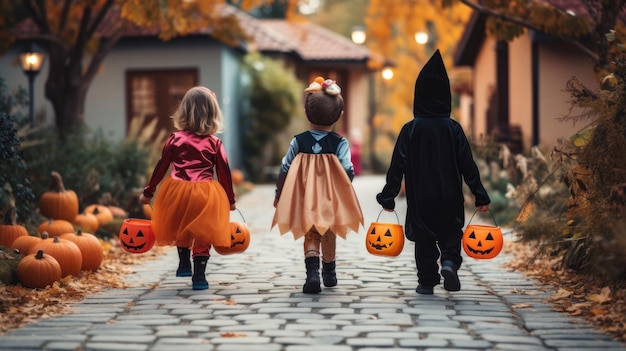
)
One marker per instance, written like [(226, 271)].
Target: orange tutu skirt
[(185, 211), (317, 194)]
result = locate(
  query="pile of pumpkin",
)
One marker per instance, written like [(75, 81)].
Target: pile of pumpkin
[(63, 245)]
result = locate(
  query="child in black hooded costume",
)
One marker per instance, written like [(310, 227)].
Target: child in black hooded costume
[(434, 157)]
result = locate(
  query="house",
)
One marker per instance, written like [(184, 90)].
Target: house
[(518, 87), (143, 75)]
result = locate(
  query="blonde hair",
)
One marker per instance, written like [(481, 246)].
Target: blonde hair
[(199, 112)]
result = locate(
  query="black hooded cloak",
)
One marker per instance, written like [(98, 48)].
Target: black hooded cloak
[(434, 156)]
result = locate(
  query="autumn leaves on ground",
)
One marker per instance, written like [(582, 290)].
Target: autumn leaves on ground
[(20, 305), (603, 307)]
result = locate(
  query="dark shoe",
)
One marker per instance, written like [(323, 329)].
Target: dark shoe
[(198, 278), (451, 280), (312, 284), (184, 263), (424, 290), (329, 276)]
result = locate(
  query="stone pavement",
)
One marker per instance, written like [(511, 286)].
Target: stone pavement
[(255, 302)]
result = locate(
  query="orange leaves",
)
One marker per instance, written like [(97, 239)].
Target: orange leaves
[(232, 335), (603, 297), (22, 305)]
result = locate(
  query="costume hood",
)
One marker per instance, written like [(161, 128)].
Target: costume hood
[(432, 90)]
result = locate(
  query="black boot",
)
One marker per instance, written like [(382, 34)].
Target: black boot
[(328, 274), (312, 284), (199, 267), (184, 263), (451, 280)]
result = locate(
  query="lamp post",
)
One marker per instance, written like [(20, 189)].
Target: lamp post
[(31, 60)]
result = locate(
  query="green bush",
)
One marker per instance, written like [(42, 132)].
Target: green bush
[(274, 98), (90, 164)]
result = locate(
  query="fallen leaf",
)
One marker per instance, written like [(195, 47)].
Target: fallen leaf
[(603, 297), (561, 294), (232, 335), (598, 311)]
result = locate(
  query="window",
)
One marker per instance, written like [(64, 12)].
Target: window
[(156, 94)]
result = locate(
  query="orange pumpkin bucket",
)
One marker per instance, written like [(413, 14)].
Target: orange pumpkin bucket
[(482, 241), (136, 235), (385, 239), (239, 238)]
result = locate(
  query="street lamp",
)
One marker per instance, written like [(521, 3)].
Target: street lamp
[(358, 35), (387, 73), (31, 60), (421, 38)]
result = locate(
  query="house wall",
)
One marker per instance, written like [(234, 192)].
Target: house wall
[(358, 106), (484, 76), (105, 104), (520, 86), (230, 98), (558, 63)]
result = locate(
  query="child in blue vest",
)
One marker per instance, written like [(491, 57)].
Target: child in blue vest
[(314, 194)]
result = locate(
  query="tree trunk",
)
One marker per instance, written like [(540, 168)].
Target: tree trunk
[(66, 89)]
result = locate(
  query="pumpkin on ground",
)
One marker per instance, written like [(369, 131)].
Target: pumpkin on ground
[(58, 202), (118, 212), (64, 251), (90, 249), (147, 210), (55, 227), (237, 176), (9, 229), (23, 244), (86, 221), (38, 270), (102, 213)]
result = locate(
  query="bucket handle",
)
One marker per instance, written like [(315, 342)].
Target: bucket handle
[(241, 215), (492, 217), (394, 212)]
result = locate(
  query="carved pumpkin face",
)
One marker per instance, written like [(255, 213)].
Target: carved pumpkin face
[(136, 235), (482, 241), (239, 239), (384, 239)]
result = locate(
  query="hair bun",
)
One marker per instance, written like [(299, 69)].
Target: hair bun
[(328, 86)]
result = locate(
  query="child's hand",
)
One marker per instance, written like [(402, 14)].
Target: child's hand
[(275, 202), (144, 199), (233, 207), (388, 209), (483, 208)]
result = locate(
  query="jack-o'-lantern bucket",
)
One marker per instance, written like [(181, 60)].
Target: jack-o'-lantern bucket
[(482, 241), (136, 235), (385, 239), (239, 238)]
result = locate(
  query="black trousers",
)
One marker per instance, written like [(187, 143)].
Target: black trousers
[(429, 248)]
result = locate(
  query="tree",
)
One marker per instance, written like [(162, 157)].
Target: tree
[(391, 28), (587, 29), (78, 35)]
